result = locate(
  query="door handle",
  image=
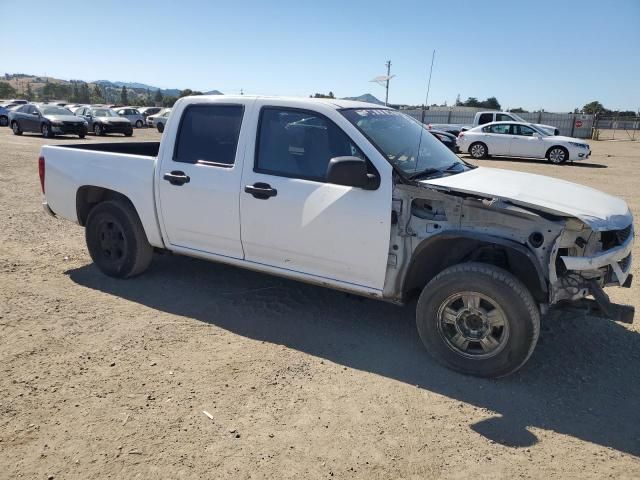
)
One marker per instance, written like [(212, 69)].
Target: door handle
[(176, 177), (261, 191)]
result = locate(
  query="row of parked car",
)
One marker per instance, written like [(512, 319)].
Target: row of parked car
[(59, 118)]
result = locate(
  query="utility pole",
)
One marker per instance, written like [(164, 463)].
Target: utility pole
[(386, 97)]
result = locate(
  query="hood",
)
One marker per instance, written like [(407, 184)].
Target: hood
[(64, 118), (597, 209), (562, 138), (113, 119)]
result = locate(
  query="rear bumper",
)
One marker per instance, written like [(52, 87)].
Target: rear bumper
[(47, 209)]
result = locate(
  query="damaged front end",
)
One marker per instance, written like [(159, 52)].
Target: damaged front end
[(585, 260)]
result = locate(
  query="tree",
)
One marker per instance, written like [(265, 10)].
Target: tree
[(124, 99), (6, 90), (491, 103), (519, 110), (29, 94), (97, 96), (472, 102), (83, 95), (169, 101), (158, 97), (593, 107)]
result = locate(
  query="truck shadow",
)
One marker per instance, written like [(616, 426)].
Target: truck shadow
[(583, 379)]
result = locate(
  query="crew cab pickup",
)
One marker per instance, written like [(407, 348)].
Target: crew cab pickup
[(482, 118), (356, 197)]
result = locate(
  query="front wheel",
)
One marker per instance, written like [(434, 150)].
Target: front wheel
[(160, 127), (557, 155), (46, 131), (478, 319), (98, 130), (116, 240), (16, 128), (139, 124)]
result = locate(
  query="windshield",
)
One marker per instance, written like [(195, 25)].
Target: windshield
[(54, 111), (517, 118), (104, 112), (404, 141)]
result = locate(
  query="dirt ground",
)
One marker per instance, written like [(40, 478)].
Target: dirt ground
[(103, 378)]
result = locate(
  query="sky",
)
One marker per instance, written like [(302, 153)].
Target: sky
[(556, 55)]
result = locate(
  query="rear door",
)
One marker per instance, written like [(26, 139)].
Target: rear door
[(302, 223), (199, 180)]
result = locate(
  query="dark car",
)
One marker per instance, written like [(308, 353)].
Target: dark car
[(447, 138), (103, 120), (4, 113), (49, 120)]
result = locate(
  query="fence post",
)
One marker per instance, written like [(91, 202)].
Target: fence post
[(449, 116), (540, 116), (573, 124)]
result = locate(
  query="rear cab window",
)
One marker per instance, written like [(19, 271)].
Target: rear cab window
[(208, 135)]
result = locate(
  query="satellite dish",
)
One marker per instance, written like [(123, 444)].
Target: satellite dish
[(382, 79)]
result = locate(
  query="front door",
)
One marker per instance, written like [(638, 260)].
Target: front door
[(199, 181), (525, 144), (294, 220)]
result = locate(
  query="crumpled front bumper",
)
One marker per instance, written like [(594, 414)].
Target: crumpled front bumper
[(618, 258)]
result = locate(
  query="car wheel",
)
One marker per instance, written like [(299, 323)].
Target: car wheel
[(139, 124), (478, 319), (4, 121), (98, 130), (16, 128), (557, 155), (46, 131), (478, 150), (160, 127), (82, 135), (116, 240), (128, 134)]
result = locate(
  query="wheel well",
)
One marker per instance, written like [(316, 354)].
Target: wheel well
[(436, 254), (89, 196)]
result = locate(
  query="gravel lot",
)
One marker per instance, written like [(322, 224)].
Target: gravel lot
[(108, 379)]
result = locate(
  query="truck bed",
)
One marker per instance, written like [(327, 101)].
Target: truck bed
[(147, 149)]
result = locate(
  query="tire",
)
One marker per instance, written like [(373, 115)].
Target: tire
[(557, 155), (160, 127), (4, 120), (82, 135), (15, 127), (139, 124), (116, 240), (128, 134), (478, 150), (98, 130), (46, 131), (478, 319)]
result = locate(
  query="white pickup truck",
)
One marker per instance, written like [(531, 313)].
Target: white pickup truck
[(482, 118), (355, 197)]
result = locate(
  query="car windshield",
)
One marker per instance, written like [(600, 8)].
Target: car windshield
[(518, 118), (104, 112), (54, 111), (405, 142)]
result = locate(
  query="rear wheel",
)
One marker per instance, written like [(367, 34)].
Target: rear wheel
[(116, 240), (557, 155), (139, 124), (478, 150), (478, 319)]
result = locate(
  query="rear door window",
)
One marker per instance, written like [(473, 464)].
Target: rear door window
[(502, 128), (208, 134), (485, 118)]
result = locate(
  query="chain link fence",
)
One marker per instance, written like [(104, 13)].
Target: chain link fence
[(616, 128)]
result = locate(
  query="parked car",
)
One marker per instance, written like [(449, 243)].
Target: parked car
[(49, 120), (131, 114), (482, 118), (151, 118), (160, 120), (518, 139), (147, 111), (350, 201), (449, 139), (17, 101), (4, 114), (103, 120)]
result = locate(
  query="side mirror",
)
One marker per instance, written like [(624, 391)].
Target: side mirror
[(537, 135), (352, 172)]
